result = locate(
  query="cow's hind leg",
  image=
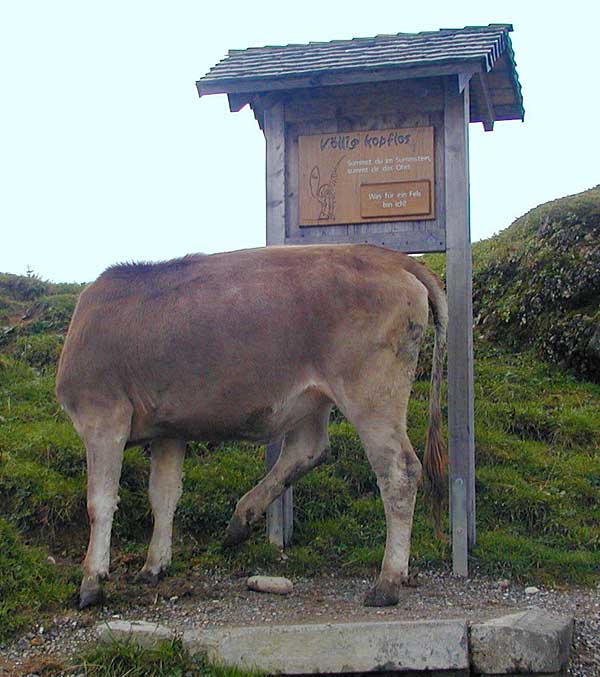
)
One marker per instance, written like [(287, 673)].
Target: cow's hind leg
[(104, 436), (398, 471), (304, 447), (376, 404), (164, 491)]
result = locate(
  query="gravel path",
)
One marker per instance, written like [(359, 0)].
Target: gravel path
[(202, 600)]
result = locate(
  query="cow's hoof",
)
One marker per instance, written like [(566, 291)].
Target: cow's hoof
[(90, 595), (148, 577), (236, 533), (382, 595)]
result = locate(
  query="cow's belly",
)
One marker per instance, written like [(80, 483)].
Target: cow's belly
[(257, 419)]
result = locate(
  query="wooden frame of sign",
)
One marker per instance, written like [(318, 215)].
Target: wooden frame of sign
[(434, 110)]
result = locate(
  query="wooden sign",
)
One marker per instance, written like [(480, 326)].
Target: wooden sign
[(361, 177)]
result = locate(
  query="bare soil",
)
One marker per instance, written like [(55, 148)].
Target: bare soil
[(215, 600)]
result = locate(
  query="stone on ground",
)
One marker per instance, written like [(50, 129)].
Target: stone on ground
[(337, 647), (273, 584), (141, 632), (532, 641)]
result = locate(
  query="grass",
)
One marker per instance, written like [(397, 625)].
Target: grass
[(166, 659), (538, 480), (28, 584), (538, 469)]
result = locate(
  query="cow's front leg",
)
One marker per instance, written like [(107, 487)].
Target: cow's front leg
[(304, 447), (164, 491), (398, 472), (104, 443)]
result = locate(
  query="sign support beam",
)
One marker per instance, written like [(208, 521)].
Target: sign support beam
[(280, 519), (461, 438)]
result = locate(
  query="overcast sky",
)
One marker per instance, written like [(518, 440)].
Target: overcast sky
[(107, 154)]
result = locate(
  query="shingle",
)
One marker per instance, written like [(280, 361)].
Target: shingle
[(482, 45)]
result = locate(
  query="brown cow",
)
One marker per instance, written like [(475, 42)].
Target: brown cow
[(255, 344)]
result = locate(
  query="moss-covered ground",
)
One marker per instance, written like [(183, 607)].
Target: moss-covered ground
[(538, 476)]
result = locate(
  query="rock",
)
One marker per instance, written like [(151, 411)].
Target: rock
[(336, 647), (529, 641), (273, 584), (142, 633), (531, 590)]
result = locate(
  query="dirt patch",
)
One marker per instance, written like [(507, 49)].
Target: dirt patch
[(201, 600)]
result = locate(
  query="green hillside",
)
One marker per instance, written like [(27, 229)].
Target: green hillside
[(536, 290), (537, 283)]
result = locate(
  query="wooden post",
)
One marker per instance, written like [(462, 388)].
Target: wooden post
[(280, 519), (461, 442), (274, 129), (280, 514)]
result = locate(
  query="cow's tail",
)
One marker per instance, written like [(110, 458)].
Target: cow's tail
[(435, 460)]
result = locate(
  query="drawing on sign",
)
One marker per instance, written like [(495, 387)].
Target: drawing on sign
[(324, 193), (396, 163)]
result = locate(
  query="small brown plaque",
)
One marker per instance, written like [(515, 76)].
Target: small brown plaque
[(400, 198)]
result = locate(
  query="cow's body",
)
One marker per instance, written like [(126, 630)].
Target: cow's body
[(255, 345)]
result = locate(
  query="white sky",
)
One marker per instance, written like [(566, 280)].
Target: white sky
[(107, 154)]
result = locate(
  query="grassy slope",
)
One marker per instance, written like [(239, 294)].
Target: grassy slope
[(537, 284), (538, 476)]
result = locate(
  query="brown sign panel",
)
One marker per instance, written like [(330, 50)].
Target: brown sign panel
[(341, 176), (402, 198)]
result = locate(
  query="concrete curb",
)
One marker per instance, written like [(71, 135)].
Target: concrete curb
[(338, 647), (530, 642)]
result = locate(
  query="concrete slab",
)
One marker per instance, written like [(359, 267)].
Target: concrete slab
[(141, 632), (337, 647), (531, 642)]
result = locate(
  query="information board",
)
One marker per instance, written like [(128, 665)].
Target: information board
[(361, 177)]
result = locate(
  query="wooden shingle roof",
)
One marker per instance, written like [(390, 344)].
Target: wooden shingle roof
[(485, 50)]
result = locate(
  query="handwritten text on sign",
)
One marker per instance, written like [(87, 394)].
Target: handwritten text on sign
[(402, 198), (342, 175)]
